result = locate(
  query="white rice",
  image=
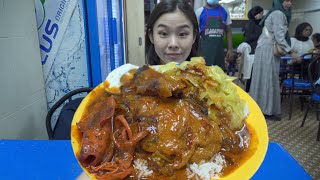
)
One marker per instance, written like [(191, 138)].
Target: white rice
[(204, 171), (115, 75), (141, 166), (208, 170)]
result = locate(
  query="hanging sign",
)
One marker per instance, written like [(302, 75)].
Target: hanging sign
[(52, 21)]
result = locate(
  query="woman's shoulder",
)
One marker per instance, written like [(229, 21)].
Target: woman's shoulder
[(251, 24), (310, 44), (277, 13), (296, 41), (310, 41), (276, 16), (293, 39)]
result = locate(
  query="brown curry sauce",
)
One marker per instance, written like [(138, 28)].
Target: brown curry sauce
[(239, 156)]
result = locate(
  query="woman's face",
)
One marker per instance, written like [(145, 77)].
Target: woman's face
[(287, 4), (173, 37), (258, 16), (307, 31)]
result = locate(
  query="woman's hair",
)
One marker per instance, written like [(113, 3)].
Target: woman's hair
[(316, 38), (254, 11), (299, 30), (169, 6)]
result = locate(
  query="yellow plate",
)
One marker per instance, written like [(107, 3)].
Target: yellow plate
[(258, 124), (255, 120)]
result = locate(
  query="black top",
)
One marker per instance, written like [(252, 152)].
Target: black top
[(252, 30)]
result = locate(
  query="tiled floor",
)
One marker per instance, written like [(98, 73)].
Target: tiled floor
[(300, 142)]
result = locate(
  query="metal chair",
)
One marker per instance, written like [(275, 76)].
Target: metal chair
[(314, 75), (62, 128), (298, 83), (283, 74)]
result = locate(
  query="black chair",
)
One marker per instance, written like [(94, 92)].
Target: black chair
[(62, 128), (283, 74), (314, 75), (297, 84)]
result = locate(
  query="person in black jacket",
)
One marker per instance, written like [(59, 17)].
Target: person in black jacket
[(252, 30)]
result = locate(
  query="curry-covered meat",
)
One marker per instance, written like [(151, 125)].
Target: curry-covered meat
[(180, 132), (149, 82), (157, 117)]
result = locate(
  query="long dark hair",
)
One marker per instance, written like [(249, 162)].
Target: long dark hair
[(299, 29), (169, 6)]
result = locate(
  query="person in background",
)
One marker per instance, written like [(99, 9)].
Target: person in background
[(265, 84), (232, 65), (214, 21), (301, 43), (252, 31), (316, 42), (172, 33)]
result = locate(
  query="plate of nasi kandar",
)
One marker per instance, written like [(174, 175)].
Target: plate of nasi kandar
[(173, 121)]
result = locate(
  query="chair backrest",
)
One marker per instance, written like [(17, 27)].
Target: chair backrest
[(309, 58), (301, 69), (314, 68), (62, 127)]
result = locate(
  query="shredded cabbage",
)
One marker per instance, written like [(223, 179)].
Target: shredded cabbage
[(215, 88)]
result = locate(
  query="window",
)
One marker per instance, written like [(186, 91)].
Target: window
[(238, 8)]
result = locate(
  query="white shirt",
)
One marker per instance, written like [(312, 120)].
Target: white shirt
[(244, 48), (301, 47)]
